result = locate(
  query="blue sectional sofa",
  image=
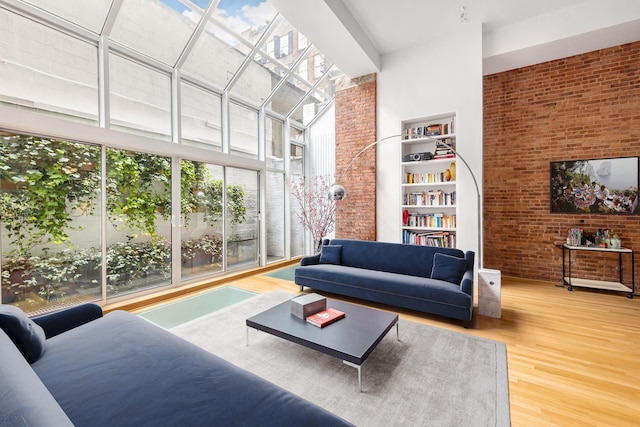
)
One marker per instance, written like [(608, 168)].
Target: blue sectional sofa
[(77, 367), (423, 278)]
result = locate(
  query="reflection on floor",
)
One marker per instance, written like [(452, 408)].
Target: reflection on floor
[(179, 312)]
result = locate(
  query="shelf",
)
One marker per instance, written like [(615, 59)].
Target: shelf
[(427, 228), (424, 182), (598, 249), (430, 184), (597, 284), (429, 162), (428, 206), (428, 139)]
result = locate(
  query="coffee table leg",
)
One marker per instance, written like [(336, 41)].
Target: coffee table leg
[(359, 368)]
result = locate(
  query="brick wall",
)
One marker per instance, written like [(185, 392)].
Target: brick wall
[(581, 107), (355, 129)]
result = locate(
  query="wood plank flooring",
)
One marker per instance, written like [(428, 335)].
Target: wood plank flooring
[(573, 357)]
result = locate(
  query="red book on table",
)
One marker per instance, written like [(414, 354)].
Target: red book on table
[(325, 317)]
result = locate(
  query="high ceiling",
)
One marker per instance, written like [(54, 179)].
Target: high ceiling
[(515, 32)]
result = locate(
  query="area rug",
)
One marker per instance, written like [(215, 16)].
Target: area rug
[(430, 377)]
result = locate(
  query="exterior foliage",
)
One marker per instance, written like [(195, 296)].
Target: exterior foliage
[(45, 184)]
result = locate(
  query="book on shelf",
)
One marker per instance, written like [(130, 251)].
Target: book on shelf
[(325, 317), (442, 239)]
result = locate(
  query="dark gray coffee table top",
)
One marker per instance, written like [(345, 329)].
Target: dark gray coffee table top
[(351, 339)]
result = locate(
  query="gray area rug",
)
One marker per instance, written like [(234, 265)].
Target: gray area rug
[(431, 377)]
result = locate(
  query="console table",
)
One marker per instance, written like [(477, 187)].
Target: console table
[(571, 282)]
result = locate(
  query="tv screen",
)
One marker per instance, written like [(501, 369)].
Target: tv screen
[(605, 186)]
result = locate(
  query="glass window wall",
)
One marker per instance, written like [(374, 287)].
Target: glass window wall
[(197, 73), (50, 210)]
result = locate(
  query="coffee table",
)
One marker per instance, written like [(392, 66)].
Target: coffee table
[(351, 339)]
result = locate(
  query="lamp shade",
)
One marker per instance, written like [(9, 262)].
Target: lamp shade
[(337, 192)]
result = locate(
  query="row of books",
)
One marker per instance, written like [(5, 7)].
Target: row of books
[(439, 239), (435, 129), (431, 220), (426, 178), (430, 198)]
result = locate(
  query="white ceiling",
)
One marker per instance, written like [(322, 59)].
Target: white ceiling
[(356, 34)]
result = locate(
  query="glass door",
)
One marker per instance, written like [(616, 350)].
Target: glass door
[(201, 231), (242, 225)]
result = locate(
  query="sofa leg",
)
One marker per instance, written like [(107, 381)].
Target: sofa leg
[(466, 324), (301, 288)]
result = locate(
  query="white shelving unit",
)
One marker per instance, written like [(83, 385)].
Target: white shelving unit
[(429, 187)]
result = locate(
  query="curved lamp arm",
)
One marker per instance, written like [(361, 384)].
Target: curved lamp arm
[(338, 192)]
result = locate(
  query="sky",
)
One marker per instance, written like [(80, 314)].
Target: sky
[(237, 14)]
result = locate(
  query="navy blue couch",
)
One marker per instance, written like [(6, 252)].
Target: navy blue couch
[(423, 278), (121, 370)]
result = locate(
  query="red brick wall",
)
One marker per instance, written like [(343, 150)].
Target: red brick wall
[(355, 129), (581, 107)]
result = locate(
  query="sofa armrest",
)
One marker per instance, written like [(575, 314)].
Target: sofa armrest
[(310, 260), (62, 321), (466, 285)]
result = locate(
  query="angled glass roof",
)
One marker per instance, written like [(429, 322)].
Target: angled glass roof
[(241, 47)]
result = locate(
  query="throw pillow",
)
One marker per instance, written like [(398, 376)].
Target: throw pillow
[(331, 254), (25, 333), (448, 268)]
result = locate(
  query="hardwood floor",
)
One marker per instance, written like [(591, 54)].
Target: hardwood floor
[(573, 357)]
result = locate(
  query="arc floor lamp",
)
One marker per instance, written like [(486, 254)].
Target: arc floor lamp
[(338, 192)]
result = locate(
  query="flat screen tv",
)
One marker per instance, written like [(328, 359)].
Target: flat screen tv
[(596, 186)]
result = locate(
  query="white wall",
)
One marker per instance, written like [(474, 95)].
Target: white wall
[(432, 79)]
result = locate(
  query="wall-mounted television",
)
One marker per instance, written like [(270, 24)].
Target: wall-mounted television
[(596, 186)]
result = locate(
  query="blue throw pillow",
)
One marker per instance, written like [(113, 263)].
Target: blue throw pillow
[(448, 268), (25, 334), (331, 254)]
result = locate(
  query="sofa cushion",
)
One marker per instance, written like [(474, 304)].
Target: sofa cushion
[(24, 400), (25, 334), (331, 254), (448, 268)]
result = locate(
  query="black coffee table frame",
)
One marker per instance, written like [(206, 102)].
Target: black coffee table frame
[(351, 339)]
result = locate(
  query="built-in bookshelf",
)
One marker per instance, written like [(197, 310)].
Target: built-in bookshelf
[(429, 186)]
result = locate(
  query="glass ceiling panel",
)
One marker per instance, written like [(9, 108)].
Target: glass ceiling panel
[(310, 107), (248, 18), (214, 58), (257, 81), (87, 14), (287, 96), (157, 29)]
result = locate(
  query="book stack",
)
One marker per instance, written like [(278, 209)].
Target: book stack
[(325, 317), (444, 150)]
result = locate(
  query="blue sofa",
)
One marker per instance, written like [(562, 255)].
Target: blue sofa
[(423, 278), (77, 367)]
